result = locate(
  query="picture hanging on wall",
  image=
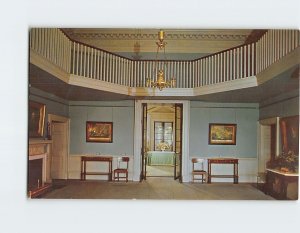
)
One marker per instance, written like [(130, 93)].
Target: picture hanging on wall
[(222, 134), (36, 118), (289, 127), (99, 131)]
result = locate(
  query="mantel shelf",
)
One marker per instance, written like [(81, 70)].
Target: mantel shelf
[(33, 141)]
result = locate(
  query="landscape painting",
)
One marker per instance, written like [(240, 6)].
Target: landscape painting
[(99, 131), (222, 134)]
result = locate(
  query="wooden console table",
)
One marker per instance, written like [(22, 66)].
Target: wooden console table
[(277, 184), (85, 159), (233, 161)]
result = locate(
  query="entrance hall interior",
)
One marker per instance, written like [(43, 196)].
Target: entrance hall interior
[(87, 74), (99, 108)]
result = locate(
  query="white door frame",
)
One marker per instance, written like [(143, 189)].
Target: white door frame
[(138, 135), (62, 119), (263, 126)]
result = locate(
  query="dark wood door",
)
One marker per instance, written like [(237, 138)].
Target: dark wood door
[(273, 142), (178, 142), (144, 143)]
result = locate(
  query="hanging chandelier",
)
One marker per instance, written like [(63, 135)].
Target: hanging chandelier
[(160, 81)]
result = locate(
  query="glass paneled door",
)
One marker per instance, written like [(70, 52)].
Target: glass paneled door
[(144, 143), (178, 142)]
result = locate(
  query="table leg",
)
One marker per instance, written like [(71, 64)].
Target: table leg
[(209, 172), (110, 170), (84, 170), (235, 173), (81, 171)]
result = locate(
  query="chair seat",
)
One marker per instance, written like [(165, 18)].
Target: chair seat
[(123, 170), (119, 171), (195, 171)]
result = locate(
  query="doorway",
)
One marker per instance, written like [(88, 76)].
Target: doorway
[(269, 145), (160, 140), (60, 146), (161, 153)]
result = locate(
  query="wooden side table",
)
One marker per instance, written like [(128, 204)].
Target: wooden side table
[(233, 161), (85, 159)]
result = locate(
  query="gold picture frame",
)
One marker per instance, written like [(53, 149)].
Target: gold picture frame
[(36, 119), (99, 132), (222, 134)]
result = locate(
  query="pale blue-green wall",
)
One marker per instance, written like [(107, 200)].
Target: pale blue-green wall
[(244, 115), (121, 113)]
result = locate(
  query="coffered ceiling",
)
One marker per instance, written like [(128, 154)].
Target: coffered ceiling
[(182, 44)]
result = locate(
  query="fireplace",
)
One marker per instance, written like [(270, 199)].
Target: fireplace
[(35, 174), (37, 180), (37, 168)]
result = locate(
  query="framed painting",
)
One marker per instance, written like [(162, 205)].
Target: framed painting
[(289, 127), (222, 134), (99, 131), (36, 118)]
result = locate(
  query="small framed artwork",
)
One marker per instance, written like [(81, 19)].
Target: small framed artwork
[(36, 118), (99, 131), (222, 134)]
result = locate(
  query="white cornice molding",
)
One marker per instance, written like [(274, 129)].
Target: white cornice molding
[(151, 34)]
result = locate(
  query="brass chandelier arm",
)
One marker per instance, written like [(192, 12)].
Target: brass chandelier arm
[(160, 82)]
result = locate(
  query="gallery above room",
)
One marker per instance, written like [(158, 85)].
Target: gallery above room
[(225, 65)]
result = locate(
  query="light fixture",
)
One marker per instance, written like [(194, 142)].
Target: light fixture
[(137, 46), (137, 50), (160, 81)]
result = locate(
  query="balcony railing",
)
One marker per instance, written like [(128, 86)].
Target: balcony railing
[(236, 63), (274, 45)]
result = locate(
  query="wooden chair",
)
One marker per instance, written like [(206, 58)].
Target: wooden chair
[(121, 169), (198, 170)]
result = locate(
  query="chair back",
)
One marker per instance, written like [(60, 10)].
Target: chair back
[(123, 160), (198, 161)]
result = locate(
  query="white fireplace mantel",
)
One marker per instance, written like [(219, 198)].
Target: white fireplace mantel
[(40, 149), (44, 168)]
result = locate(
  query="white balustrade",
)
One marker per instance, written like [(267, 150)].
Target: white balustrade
[(236, 63)]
